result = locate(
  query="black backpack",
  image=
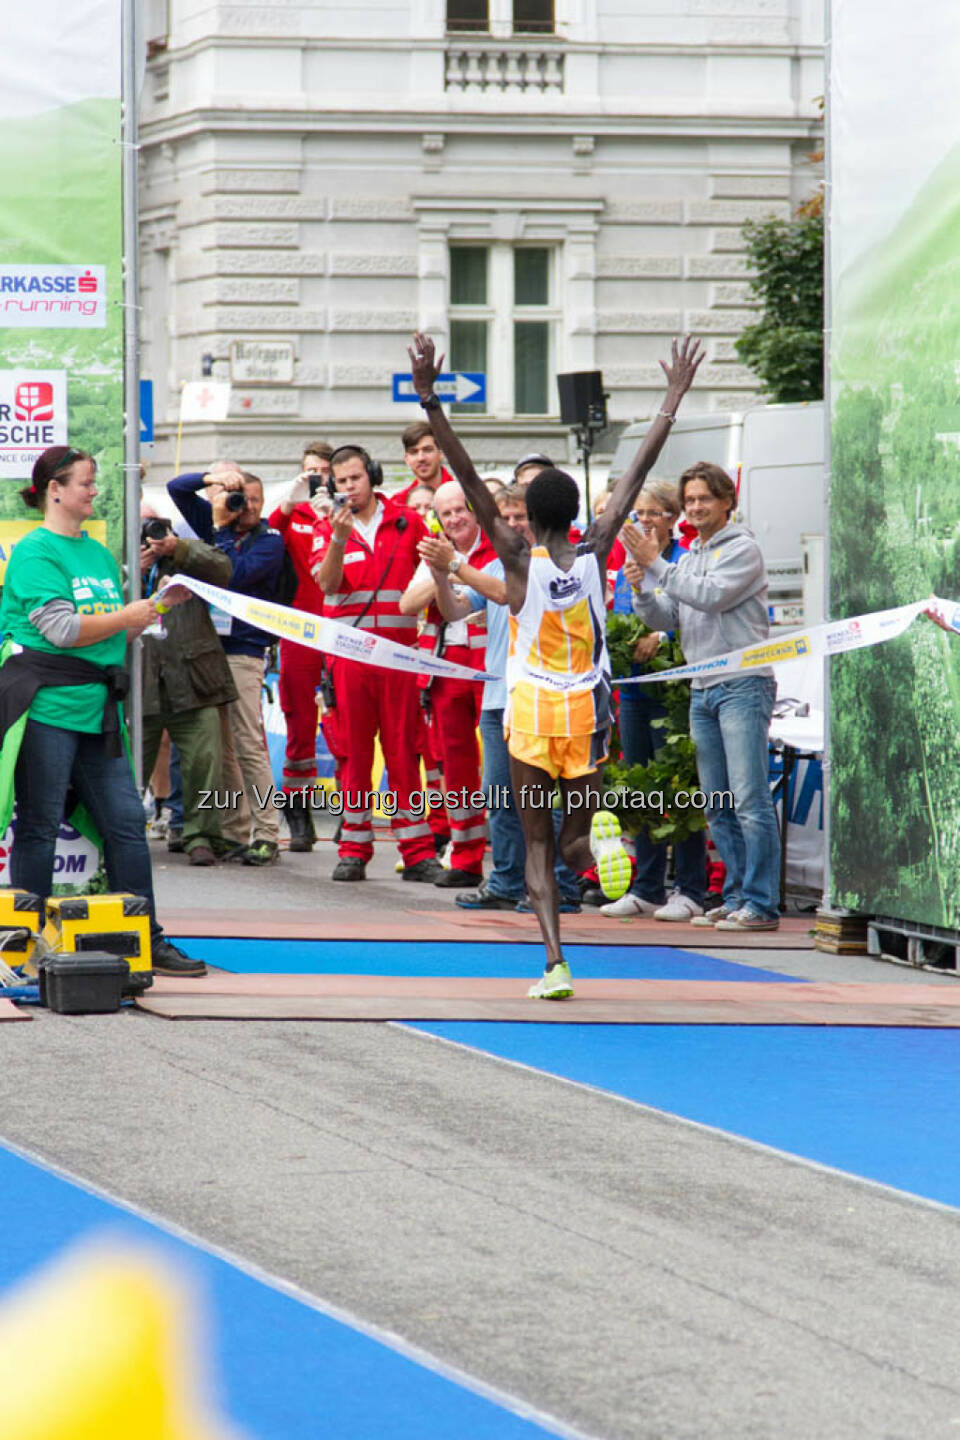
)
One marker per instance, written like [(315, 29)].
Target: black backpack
[(288, 580)]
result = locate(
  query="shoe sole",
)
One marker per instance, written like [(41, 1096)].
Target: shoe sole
[(535, 993), (746, 929), (613, 862), (180, 974)]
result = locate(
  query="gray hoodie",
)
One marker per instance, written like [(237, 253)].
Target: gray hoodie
[(717, 595)]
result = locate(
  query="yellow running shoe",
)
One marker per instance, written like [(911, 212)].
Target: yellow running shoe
[(613, 862), (555, 984)]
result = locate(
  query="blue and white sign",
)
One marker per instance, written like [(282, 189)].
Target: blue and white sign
[(459, 387), (146, 412)]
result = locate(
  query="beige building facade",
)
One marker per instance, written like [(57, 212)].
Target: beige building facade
[(543, 187)]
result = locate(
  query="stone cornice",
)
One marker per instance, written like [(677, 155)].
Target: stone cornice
[(565, 122)]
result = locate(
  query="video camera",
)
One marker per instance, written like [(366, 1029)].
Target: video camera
[(156, 528)]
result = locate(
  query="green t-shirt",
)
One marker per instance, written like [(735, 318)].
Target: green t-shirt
[(44, 567)]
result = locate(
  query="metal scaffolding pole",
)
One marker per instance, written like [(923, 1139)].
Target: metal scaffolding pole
[(131, 361)]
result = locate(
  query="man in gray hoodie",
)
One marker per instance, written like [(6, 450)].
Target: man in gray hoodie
[(717, 596)]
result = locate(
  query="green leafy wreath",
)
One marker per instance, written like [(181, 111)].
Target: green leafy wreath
[(674, 767)]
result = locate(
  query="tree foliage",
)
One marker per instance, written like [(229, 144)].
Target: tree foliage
[(784, 348)]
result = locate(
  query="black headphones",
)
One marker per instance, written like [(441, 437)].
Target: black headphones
[(373, 468)]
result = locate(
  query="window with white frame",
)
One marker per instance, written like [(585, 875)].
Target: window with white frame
[(504, 316), (500, 17)]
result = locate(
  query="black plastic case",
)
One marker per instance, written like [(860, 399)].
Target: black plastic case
[(89, 982)]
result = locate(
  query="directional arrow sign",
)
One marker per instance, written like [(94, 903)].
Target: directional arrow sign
[(463, 387), (146, 412)]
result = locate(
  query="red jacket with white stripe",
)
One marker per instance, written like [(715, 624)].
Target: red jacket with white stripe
[(299, 530), (378, 576), (472, 652)]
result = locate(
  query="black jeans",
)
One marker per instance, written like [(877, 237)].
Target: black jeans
[(50, 758)]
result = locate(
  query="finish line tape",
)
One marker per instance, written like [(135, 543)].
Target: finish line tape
[(832, 638), (344, 642)]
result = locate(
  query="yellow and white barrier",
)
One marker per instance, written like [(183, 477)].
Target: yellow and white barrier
[(344, 642), (834, 637)]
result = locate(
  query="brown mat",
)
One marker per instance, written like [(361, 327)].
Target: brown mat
[(622, 1002), (492, 926), (9, 1011)]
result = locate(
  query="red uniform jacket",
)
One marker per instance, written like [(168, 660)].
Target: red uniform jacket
[(402, 497), (299, 532), (378, 576), (472, 653)]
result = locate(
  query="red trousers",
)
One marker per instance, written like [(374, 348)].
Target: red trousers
[(433, 779), (455, 715), (371, 700), (299, 677)]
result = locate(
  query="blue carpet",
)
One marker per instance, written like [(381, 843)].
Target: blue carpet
[(879, 1103), (280, 1368), (510, 961)]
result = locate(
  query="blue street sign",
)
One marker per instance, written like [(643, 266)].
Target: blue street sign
[(465, 387), (146, 412)]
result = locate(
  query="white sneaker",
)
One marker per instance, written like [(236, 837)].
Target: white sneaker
[(711, 917), (627, 907), (679, 907)]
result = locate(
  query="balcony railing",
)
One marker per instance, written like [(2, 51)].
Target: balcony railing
[(491, 66)]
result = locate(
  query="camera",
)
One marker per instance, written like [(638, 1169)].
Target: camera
[(339, 501), (235, 501), (155, 529)]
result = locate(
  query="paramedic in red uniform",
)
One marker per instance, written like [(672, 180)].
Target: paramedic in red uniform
[(423, 457), (364, 557), (454, 705), (296, 518)]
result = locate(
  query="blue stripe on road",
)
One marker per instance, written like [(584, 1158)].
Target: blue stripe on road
[(878, 1103), (499, 961), (281, 1369)]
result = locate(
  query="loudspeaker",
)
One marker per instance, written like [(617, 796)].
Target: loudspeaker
[(582, 401)]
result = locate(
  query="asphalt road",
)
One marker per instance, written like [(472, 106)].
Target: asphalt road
[(625, 1271)]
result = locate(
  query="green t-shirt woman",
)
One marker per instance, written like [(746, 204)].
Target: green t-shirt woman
[(62, 596)]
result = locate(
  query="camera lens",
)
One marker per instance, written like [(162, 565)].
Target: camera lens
[(155, 530), (236, 501)]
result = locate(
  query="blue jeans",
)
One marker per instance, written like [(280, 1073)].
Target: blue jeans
[(49, 760), (639, 742), (506, 832), (730, 723), (175, 798)]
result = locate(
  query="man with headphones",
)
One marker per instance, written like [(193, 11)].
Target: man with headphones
[(363, 558), (302, 669)]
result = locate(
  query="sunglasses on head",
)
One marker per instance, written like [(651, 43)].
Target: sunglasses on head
[(67, 461)]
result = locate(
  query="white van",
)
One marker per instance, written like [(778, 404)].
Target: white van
[(775, 455)]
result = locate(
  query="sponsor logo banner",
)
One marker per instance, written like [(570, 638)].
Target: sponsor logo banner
[(53, 297), (33, 416)]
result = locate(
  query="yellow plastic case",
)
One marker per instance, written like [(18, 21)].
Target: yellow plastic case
[(117, 924), (18, 910)]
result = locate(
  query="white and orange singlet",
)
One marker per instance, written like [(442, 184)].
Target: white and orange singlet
[(558, 670)]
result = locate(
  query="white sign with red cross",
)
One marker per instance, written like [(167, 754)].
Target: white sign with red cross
[(205, 400), (33, 416)]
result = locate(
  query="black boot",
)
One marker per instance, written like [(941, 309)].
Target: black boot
[(300, 821)]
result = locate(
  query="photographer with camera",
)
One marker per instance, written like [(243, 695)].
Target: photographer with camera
[(186, 678), (227, 515)]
